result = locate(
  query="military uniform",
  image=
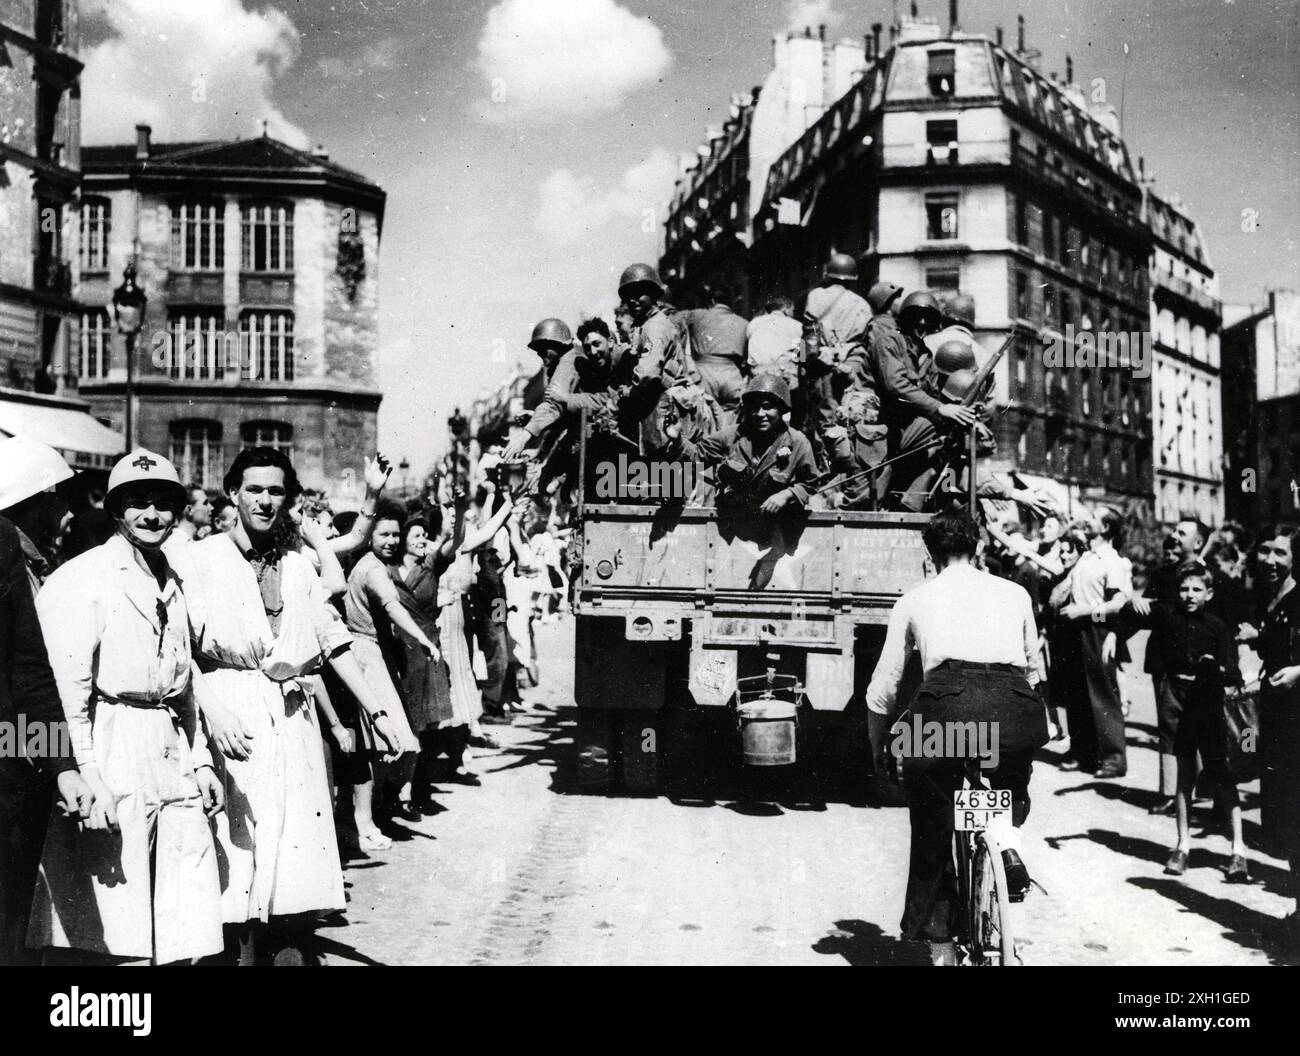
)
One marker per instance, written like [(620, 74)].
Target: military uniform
[(909, 409), (666, 384), (835, 320), (749, 471)]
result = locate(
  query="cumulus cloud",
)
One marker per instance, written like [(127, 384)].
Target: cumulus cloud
[(575, 208), (812, 13), (202, 69), (552, 58)]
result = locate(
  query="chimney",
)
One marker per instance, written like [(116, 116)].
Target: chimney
[(866, 48), (265, 128), (876, 27), (915, 13), (821, 32), (999, 32), (142, 133), (1020, 34), (952, 17), (1069, 69)]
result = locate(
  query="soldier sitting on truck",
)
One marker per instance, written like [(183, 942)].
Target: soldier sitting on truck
[(762, 464), (910, 406), (666, 384)]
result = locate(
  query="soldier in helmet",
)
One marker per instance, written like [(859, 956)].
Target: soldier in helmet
[(666, 384), (835, 320), (586, 378), (762, 464), (860, 404), (958, 318), (551, 339), (719, 344), (910, 406)]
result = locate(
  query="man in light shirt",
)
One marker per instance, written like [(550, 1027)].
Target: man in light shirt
[(977, 642)]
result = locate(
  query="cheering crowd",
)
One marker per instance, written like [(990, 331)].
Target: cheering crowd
[(254, 686), (251, 689)]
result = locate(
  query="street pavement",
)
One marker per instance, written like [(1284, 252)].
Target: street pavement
[(524, 870)]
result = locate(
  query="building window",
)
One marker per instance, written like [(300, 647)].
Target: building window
[(1022, 295), (1022, 447), (266, 339), (267, 237), (942, 63), (278, 435), (196, 452), (198, 235), (1022, 222), (96, 223), (943, 278), (1085, 397), (940, 216), (197, 341), (941, 136), (1049, 303), (1049, 235), (1022, 370), (96, 348)]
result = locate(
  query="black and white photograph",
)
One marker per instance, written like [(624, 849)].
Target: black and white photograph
[(650, 483)]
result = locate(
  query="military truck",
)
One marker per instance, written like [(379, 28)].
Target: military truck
[(702, 643)]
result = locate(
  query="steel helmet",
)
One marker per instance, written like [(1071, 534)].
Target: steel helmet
[(767, 385), (550, 332), (841, 266), (920, 303), (958, 383), (881, 295), (142, 466), (638, 275), (954, 355), (28, 467), (960, 309)]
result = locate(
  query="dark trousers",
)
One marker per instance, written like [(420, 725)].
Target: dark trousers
[(906, 484), (957, 692), (930, 909), (495, 643), (24, 815), (1098, 712)]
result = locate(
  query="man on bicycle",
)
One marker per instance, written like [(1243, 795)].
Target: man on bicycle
[(977, 642)]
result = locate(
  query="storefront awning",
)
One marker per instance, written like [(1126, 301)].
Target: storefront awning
[(79, 438)]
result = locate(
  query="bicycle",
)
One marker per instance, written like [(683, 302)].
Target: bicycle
[(985, 933)]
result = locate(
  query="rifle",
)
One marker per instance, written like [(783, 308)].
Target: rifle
[(975, 394)]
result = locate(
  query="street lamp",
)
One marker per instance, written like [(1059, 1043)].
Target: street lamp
[(405, 467), (128, 313)]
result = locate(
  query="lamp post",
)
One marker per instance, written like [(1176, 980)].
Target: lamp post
[(405, 467), (128, 314)]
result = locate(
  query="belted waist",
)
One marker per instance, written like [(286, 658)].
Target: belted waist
[(168, 702), (968, 665), (211, 663)]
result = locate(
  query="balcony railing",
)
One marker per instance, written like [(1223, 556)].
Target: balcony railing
[(838, 125), (1186, 290)]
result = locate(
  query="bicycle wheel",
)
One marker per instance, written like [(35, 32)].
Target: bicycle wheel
[(992, 942)]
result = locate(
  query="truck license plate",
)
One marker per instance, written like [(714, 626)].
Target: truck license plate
[(974, 808)]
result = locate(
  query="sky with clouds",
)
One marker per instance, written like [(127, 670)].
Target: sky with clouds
[(528, 146)]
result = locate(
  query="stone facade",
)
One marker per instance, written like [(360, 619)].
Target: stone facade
[(950, 162), (231, 388)]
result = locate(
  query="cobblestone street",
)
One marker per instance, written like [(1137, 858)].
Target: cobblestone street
[(523, 871)]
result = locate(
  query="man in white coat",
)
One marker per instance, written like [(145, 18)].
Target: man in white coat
[(138, 880)]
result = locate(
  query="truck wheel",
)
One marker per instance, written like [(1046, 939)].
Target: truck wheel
[(595, 739)]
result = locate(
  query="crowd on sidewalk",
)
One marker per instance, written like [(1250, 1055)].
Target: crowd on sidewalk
[(1222, 655), (236, 693)]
